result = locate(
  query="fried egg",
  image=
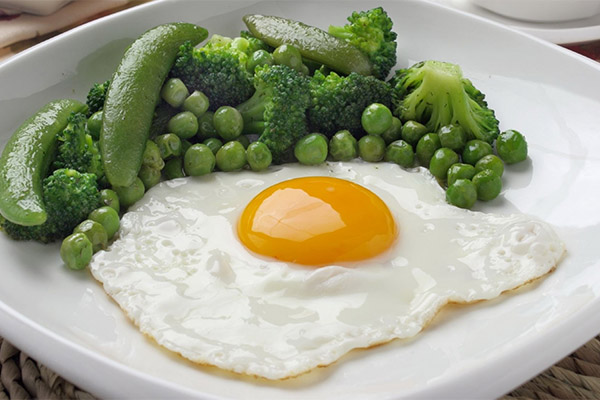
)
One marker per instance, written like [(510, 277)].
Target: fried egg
[(273, 274)]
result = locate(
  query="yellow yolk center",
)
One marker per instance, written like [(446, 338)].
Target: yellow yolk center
[(317, 221)]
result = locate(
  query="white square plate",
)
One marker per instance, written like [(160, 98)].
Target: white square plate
[(65, 320)]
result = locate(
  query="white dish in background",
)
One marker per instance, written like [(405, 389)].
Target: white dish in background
[(542, 10), (561, 32), (66, 321)]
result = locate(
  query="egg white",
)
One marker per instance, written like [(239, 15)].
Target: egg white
[(180, 273)]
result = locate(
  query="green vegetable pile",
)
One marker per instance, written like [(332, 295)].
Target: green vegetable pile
[(282, 91)]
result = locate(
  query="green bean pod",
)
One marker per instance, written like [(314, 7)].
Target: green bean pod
[(133, 95), (313, 43), (25, 160)]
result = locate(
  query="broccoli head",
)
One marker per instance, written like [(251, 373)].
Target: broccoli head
[(435, 94), (371, 32), (96, 96), (254, 43), (338, 102), (217, 69), (69, 196), (76, 148), (277, 110)]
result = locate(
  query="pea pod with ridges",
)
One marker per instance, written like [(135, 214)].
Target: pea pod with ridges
[(313, 43), (25, 161), (133, 95)]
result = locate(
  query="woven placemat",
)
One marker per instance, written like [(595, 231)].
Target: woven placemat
[(575, 377)]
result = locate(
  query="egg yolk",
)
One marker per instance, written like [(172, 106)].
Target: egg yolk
[(317, 221)]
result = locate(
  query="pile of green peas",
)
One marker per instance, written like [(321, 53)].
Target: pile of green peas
[(93, 234), (468, 169)]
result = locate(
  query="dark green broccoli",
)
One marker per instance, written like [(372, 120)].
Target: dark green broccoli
[(371, 32), (338, 102), (96, 96), (277, 110), (77, 149), (69, 196), (435, 94), (217, 69)]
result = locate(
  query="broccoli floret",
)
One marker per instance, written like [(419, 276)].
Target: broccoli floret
[(96, 96), (277, 110), (435, 94), (77, 150), (217, 69), (255, 43), (338, 102), (371, 32), (69, 196)]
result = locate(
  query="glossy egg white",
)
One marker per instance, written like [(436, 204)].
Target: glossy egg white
[(180, 273)]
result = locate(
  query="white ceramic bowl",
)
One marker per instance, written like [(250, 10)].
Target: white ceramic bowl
[(542, 10)]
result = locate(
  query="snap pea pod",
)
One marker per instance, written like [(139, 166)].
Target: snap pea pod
[(313, 43), (25, 160), (133, 95)]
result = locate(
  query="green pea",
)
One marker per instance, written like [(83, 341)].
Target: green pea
[(311, 149), (453, 137), (412, 132), (231, 156), (197, 103), (206, 127), (259, 156), (149, 176), (474, 150), (511, 146), (94, 124), (289, 55), (343, 146), (169, 145), (174, 92), (110, 198), (240, 43), (426, 146), (441, 161), (462, 193), (488, 185), (213, 144), (228, 122), (76, 251), (400, 153), (183, 124), (198, 160), (128, 195), (371, 148), (152, 157), (108, 218), (490, 162), (259, 58), (376, 119), (460, 171), (394, 132), (95, 232), (174, 168)]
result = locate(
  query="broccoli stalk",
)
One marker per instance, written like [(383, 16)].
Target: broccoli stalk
[(217, 69), (77, 150), (69, 196), (96, 96), (338, 102), (277, 109), (435, 94), (371, 32)]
